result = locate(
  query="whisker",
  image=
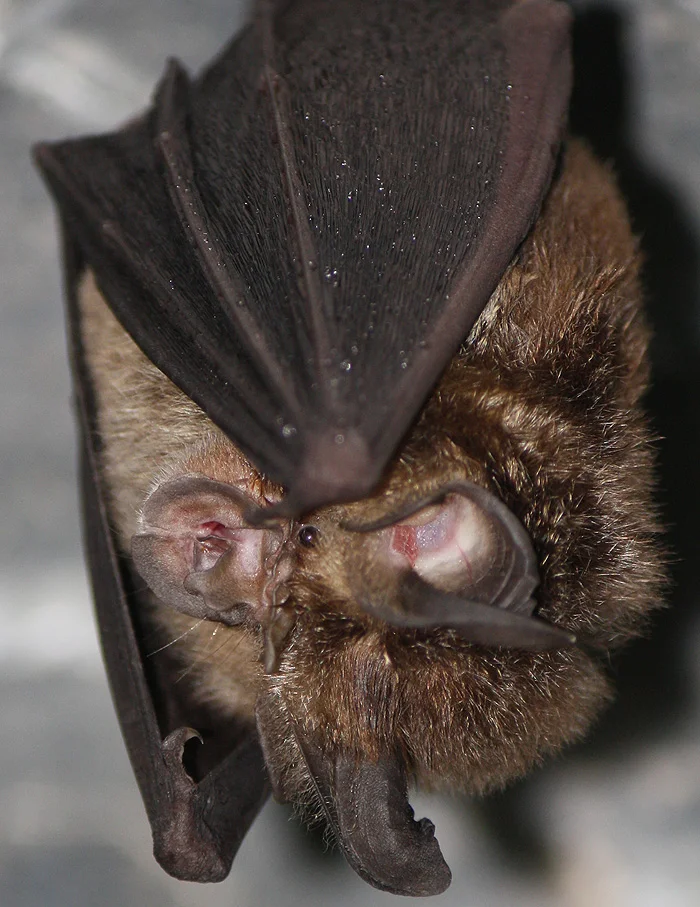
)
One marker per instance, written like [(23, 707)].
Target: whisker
[(233, 648), (177, 638), (207, 654)]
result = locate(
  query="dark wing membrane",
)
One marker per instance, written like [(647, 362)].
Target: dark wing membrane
[(302, 237), (197, 826)]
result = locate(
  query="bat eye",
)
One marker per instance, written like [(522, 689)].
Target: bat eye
[(308, 536)]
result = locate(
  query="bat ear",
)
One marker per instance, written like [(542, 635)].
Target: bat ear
[(198, 553), (466, 543), (460, 559)]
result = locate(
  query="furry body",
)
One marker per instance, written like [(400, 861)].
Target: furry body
[(541, 406)]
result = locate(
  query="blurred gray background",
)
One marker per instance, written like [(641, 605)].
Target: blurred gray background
[(615, 821)]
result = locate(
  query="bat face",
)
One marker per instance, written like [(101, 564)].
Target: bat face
[(423, 633)]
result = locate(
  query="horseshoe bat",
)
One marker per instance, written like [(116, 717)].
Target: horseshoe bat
[(358, 351)]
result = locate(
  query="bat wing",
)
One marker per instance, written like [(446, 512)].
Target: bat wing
[(197, 825), (302, 237)]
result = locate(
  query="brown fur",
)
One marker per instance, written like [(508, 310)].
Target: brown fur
[(152, 432), (541, 405)]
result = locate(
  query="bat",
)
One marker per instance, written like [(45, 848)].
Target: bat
[(359, 354)]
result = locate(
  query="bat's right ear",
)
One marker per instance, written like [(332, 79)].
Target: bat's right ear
[(199, 554)]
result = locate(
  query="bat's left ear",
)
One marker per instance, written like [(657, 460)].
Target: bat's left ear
[(460, 559)]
